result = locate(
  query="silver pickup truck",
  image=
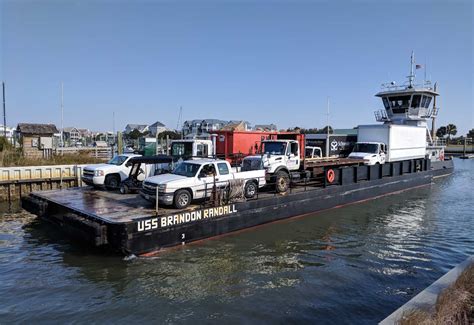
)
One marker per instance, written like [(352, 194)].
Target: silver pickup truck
[(194, 179)]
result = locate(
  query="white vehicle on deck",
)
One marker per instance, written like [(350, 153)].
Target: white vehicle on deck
[(108, 175), (194, 179), (370, 153)]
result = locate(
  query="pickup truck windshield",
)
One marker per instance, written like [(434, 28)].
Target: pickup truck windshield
[(186, 169), (182, 149), (309, 153), (117, 160), (274, 148), (366, 147)]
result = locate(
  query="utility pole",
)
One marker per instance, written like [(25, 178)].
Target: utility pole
[(62, 114), (433, 117), (179, 117), (4, 112), (327, 129)]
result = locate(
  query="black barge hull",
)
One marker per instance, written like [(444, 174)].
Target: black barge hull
[(125, 224)]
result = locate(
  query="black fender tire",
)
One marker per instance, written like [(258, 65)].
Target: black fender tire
[(282, 181), (250, 189), (182, 198), (112, 182), (124, 189)]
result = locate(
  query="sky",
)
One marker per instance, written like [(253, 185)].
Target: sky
[(262, 61)]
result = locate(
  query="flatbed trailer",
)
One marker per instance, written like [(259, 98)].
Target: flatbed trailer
[(130, 225)]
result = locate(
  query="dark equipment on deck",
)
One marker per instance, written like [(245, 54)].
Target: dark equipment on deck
[(132, 184)]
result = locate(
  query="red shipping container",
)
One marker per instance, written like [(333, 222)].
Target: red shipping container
[(234, 145)]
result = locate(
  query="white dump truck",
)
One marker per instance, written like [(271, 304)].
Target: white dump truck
[(195, 179), (192, 149), (377, 144), (110, 174)]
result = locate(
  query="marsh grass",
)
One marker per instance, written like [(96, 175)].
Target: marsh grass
[(12, 157), (455, 305)]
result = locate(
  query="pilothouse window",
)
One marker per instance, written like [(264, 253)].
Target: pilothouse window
[(428, 101), (385, 102), (415, 102), (399, 104)]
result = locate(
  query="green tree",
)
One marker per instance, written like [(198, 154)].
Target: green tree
[(470, 134), (441, 132), (451, 130), (325, 130), (135, 134), (172, 134)]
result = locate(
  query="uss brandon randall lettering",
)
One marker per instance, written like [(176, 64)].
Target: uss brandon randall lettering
[(185, 217)]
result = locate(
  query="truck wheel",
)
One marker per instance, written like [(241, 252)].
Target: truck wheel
[(250, 189), (124, 189), (182, 199), (282, 181), (112, 182)]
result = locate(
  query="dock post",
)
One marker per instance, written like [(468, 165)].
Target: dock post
[(61, 178), (156, 201)]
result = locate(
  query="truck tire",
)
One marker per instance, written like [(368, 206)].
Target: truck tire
[(124, 189), (282, 181), (182, 199), (250, 189), (112, 182)]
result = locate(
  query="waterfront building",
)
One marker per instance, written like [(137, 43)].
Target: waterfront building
[(36, 139)]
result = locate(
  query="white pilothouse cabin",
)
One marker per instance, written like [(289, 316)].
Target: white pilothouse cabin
[(413, 105)]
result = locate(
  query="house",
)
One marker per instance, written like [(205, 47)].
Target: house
[(265, 127), (140, 127), (36, 139), (156, 128), (71, 135), (202, 127), (243, 125)]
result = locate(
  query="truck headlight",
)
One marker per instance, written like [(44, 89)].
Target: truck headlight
[(162, 187), (99, 173)]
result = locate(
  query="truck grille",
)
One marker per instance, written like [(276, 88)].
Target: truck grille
[(89, 173), (149, 188)]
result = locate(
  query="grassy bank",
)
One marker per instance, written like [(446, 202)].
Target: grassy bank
[(13, 158), (455, 305)]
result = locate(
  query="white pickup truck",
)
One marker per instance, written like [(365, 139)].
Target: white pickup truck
[(108, 175), (370, 153), (194, 179)]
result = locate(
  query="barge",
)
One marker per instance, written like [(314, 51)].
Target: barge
[(129, 224)]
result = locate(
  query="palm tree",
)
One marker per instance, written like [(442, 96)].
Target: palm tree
[(441, 132), (451, 130)]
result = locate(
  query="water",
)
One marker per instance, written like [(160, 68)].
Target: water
[(350, 265)]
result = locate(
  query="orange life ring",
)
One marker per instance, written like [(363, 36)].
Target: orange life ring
[(330, 175)]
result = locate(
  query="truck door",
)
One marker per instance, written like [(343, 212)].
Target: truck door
[(224, 173), (382, 153), (205, 181), (293, 154)]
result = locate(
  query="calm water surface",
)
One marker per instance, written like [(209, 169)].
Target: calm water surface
[(350, 265)]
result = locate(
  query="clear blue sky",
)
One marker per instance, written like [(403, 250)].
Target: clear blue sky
[(262, 61)]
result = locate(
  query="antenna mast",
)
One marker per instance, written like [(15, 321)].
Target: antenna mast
[(411, 77)]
